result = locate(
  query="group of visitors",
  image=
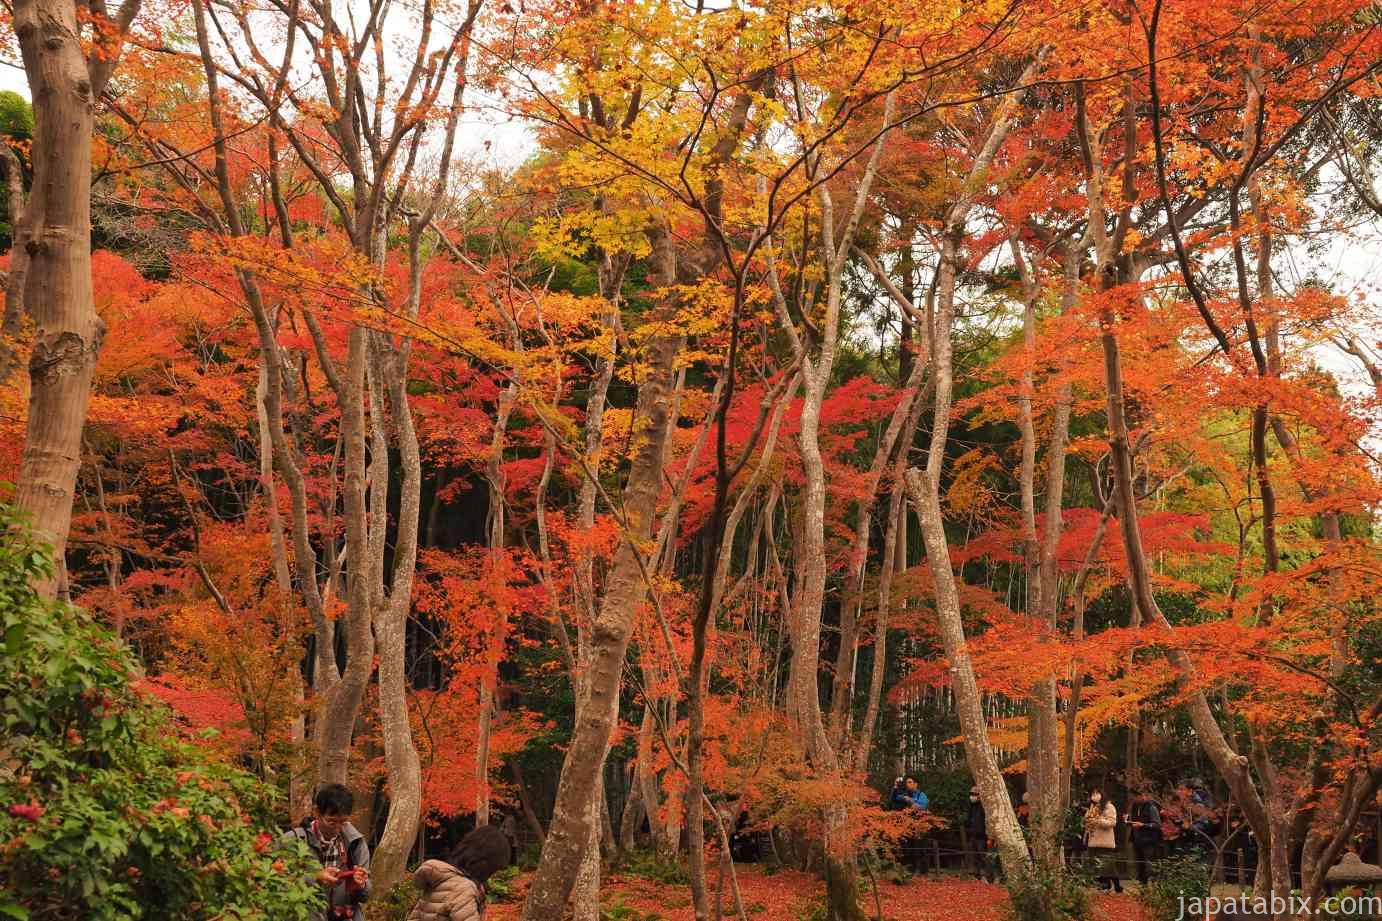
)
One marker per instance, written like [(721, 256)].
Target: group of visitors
[(1186, 824), (907, 794), (450, 890)]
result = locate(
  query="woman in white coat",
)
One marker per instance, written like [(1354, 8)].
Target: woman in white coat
[(1100, 823)]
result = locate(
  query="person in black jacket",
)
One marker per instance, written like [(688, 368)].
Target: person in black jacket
[(1144, 818), (743, 843), (976, 825)]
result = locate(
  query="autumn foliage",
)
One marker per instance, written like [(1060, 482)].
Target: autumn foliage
[(826, 392)]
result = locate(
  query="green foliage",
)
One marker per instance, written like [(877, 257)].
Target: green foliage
[(529, 857), (500, 887), (1175, 882), (878, 866), (649, 865), (948, 791), (1038, 893), (395, 904), (620, 911), (103, 813), (16, 116)]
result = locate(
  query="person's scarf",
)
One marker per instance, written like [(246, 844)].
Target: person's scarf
[(333, 852)]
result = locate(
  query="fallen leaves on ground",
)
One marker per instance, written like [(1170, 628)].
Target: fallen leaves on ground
[(788, 895)]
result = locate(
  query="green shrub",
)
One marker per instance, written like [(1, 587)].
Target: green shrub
[(104, 814), (649, 865), (395, 904), (1038, 893), (500, 887), (528, 858), (618, 910), (876, 865), (1174, 883)]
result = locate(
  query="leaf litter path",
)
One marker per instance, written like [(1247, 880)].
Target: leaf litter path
[(788, 895)]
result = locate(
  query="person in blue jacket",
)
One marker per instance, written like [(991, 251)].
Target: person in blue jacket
[(908, 795)]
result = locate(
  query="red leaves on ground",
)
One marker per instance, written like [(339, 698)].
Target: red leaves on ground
[(788, 894)]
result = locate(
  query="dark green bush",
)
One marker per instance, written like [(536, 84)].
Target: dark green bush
[(1174, 883), (1037, 893), (649, 865)]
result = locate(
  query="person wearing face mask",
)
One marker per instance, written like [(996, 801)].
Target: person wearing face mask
[(1100, 820), (976, 825)]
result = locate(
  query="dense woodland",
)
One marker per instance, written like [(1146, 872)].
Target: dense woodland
[(612, 415)]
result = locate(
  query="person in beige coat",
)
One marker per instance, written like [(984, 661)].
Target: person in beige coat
[(1100, 822), (454, 889)]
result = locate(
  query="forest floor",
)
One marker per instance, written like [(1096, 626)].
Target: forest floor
[(788, 895)]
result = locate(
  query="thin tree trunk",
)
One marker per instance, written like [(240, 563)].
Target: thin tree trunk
[(646, 778), (571, 832), (923, 488), (847, 656), (494, 475), (632, 817), (897, 509), (1041, 575), (341, 704), (525, 802), (12, 326), (983, 763), (391, 625)]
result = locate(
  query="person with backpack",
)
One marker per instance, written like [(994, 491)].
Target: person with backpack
[(454, 889), (341, 850), (1144, 818)]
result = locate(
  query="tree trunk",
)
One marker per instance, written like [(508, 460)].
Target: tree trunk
[(12, 326), (572, 820), (846, 659), (922, 487), (983, 763), (1039, 554), (631, 820), (341, 704), (585, 897), (1232, 766), (494, 475), (894, 560), (525, 802), (57, 287), (400, 752), (645, 778)]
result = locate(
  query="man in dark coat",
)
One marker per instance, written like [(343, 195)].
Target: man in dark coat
[(1144, 818)]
